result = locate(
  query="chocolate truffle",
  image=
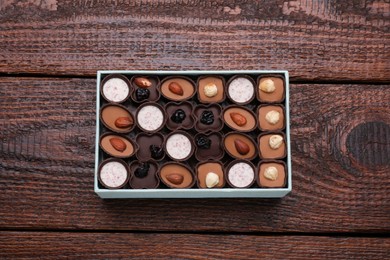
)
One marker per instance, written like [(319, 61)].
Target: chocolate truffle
[(117, 118), (270, 89), (178, 146), (209, 146), (272, 146), (176, 175), (210, 175), (145, 89), (240, 174), (239, 118), (117, 145), (272, 175), (143, 175), (271, 117), (150, 117), (241, 90), (115, 88), (211, 89), (113, 173), (240, 146), (177, 88), (179, 115), (208, 118), (151, 147)]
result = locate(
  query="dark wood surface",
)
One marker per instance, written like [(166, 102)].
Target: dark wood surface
[(187, 246), (338, 55)]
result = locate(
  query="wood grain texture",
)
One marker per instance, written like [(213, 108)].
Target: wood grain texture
[(20, 245), (340, 153), (314, 40)]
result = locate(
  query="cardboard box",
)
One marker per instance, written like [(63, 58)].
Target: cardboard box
[(193, 192)]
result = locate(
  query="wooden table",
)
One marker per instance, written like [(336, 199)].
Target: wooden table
[(338, 55)]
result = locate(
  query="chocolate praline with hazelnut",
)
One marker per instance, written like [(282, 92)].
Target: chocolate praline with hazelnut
[(210, 175), (272, 145), (270, 89), (271, 117), (272, 174), (211, 89)]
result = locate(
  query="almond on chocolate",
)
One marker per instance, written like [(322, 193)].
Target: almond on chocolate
[(118, 144), (238, 119), (175, 88), (175, 178), (142, 82), (242, 147), (124, 122)]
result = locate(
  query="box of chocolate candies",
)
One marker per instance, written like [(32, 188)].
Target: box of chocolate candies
[(192, 134)]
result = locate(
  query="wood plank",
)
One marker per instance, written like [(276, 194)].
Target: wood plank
[(340, 152), (16, 245), (313, 40)]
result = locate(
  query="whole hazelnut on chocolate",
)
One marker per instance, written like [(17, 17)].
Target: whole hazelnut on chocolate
[(271, 173), (210, 90), (267, 86), (275, 141), (212, 180), (272, 117)]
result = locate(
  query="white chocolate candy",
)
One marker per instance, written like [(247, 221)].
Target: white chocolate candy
[(212, 179), (241, 175), (275, 141), (241, 90), (178, 146), (267, 86), (113, 174), (116, 90), (271, 173), (150, 118)]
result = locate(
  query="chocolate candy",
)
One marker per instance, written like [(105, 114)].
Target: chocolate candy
[(209, 129)]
